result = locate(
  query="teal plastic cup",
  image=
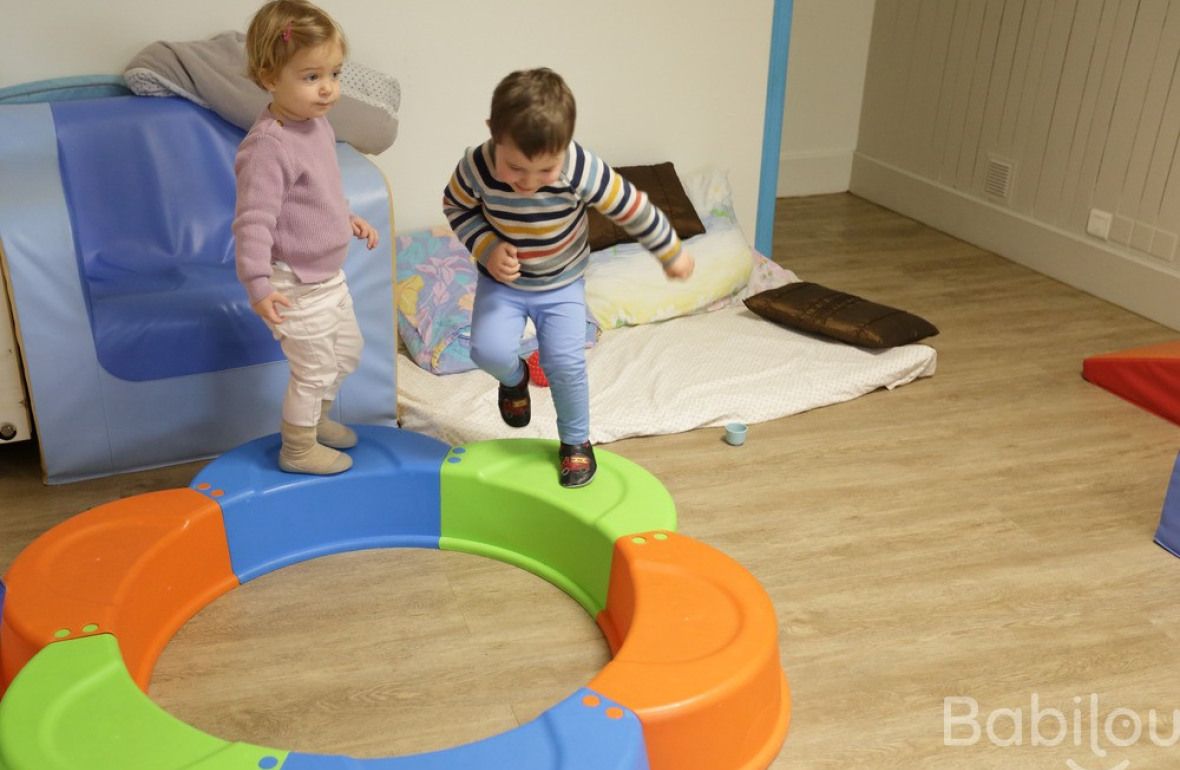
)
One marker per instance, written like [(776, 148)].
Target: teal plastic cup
[(735, 433)]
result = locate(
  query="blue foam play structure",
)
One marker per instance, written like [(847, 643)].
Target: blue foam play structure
[(156, 259), (1168, 534), (139, 345)]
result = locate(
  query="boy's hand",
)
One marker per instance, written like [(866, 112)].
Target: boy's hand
[(680, 268), (503, 264), (266, 307), (364, 230)]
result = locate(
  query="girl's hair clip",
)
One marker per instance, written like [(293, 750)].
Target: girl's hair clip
[(287, 33)]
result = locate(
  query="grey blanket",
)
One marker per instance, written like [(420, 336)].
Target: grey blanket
[(212, 73)]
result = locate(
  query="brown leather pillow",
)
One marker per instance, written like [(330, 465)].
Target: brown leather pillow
[(817, 309), (663, 188)]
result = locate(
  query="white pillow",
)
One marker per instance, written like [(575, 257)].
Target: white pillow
[(626, 286)]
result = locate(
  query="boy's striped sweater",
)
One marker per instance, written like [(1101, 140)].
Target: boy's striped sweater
[(548, 227)]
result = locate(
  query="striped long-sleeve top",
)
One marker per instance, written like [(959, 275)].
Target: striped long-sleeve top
[(549, 227)]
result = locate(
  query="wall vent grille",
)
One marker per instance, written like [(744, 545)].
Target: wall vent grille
[(998, 182)]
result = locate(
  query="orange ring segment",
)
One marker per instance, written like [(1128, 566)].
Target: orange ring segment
[(695, 646), (137, 568)]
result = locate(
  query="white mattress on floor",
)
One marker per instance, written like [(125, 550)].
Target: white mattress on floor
[(691, 372)]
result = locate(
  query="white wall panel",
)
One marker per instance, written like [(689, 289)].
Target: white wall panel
[(825, 83), (1082, 97), (1067, 116), (678, 80)]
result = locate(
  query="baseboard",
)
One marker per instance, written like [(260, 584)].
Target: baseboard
[(814, 173), (1122, 278)]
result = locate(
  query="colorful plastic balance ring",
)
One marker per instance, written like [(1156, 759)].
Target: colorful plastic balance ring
[(695, 681)]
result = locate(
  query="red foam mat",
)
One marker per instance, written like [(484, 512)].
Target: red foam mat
[(1148, 377)]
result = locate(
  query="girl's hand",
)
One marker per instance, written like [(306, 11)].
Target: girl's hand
[(503, 264), (680, 268), (365, 231), (266, 307)]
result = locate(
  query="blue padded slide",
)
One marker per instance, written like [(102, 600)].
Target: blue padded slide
[(64, 89), (153, 238), (182, 386)]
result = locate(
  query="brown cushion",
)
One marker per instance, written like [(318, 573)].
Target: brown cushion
[(663, 188), (817, 309)]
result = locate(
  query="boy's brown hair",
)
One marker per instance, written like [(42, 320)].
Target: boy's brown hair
[(280, 29), (535, 109)]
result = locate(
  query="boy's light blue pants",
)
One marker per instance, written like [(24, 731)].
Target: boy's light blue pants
[(497, 323)]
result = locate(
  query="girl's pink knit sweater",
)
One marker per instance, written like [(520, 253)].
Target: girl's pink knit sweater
[(291, 205)]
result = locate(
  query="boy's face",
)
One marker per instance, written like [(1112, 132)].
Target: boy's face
[(309, 84), (523, 174)]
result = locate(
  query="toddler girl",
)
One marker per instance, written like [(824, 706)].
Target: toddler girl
[(292, 225)]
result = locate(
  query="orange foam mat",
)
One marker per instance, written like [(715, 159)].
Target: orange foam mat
[(696, 655), (1147, 376), (137, 568)]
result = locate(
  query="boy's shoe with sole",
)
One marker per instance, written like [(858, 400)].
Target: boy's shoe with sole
[(515, 404), (577, 464)]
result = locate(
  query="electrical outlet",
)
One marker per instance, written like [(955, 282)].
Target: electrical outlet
[(1120, 230), (1163, 245), (1099, 224), (1141, 236)]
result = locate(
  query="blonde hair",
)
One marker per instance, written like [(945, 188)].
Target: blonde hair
[(535, 109), (280, 29)]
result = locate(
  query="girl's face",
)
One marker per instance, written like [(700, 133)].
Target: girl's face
[(309, 84), (523, 174)]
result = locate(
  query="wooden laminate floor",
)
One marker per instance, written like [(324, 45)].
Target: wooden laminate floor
[(982, 535)]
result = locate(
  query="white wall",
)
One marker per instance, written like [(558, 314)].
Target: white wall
[(657, 80), (1075, 104), (825, 83)]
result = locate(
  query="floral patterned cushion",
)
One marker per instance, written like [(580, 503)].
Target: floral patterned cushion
[(435, 294)]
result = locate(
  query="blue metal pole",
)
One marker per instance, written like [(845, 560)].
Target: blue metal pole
[(772, 125)]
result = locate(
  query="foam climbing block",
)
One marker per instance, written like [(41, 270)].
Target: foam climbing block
[(1167, 536), (137, 567), (390, 497), (161, 269), (160, 248), (583, 732), (75, 707), (502, 499), (696, 656), (1148, 377)]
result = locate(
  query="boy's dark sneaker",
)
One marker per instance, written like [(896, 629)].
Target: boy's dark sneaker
[(515, 404), (577, 464)]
